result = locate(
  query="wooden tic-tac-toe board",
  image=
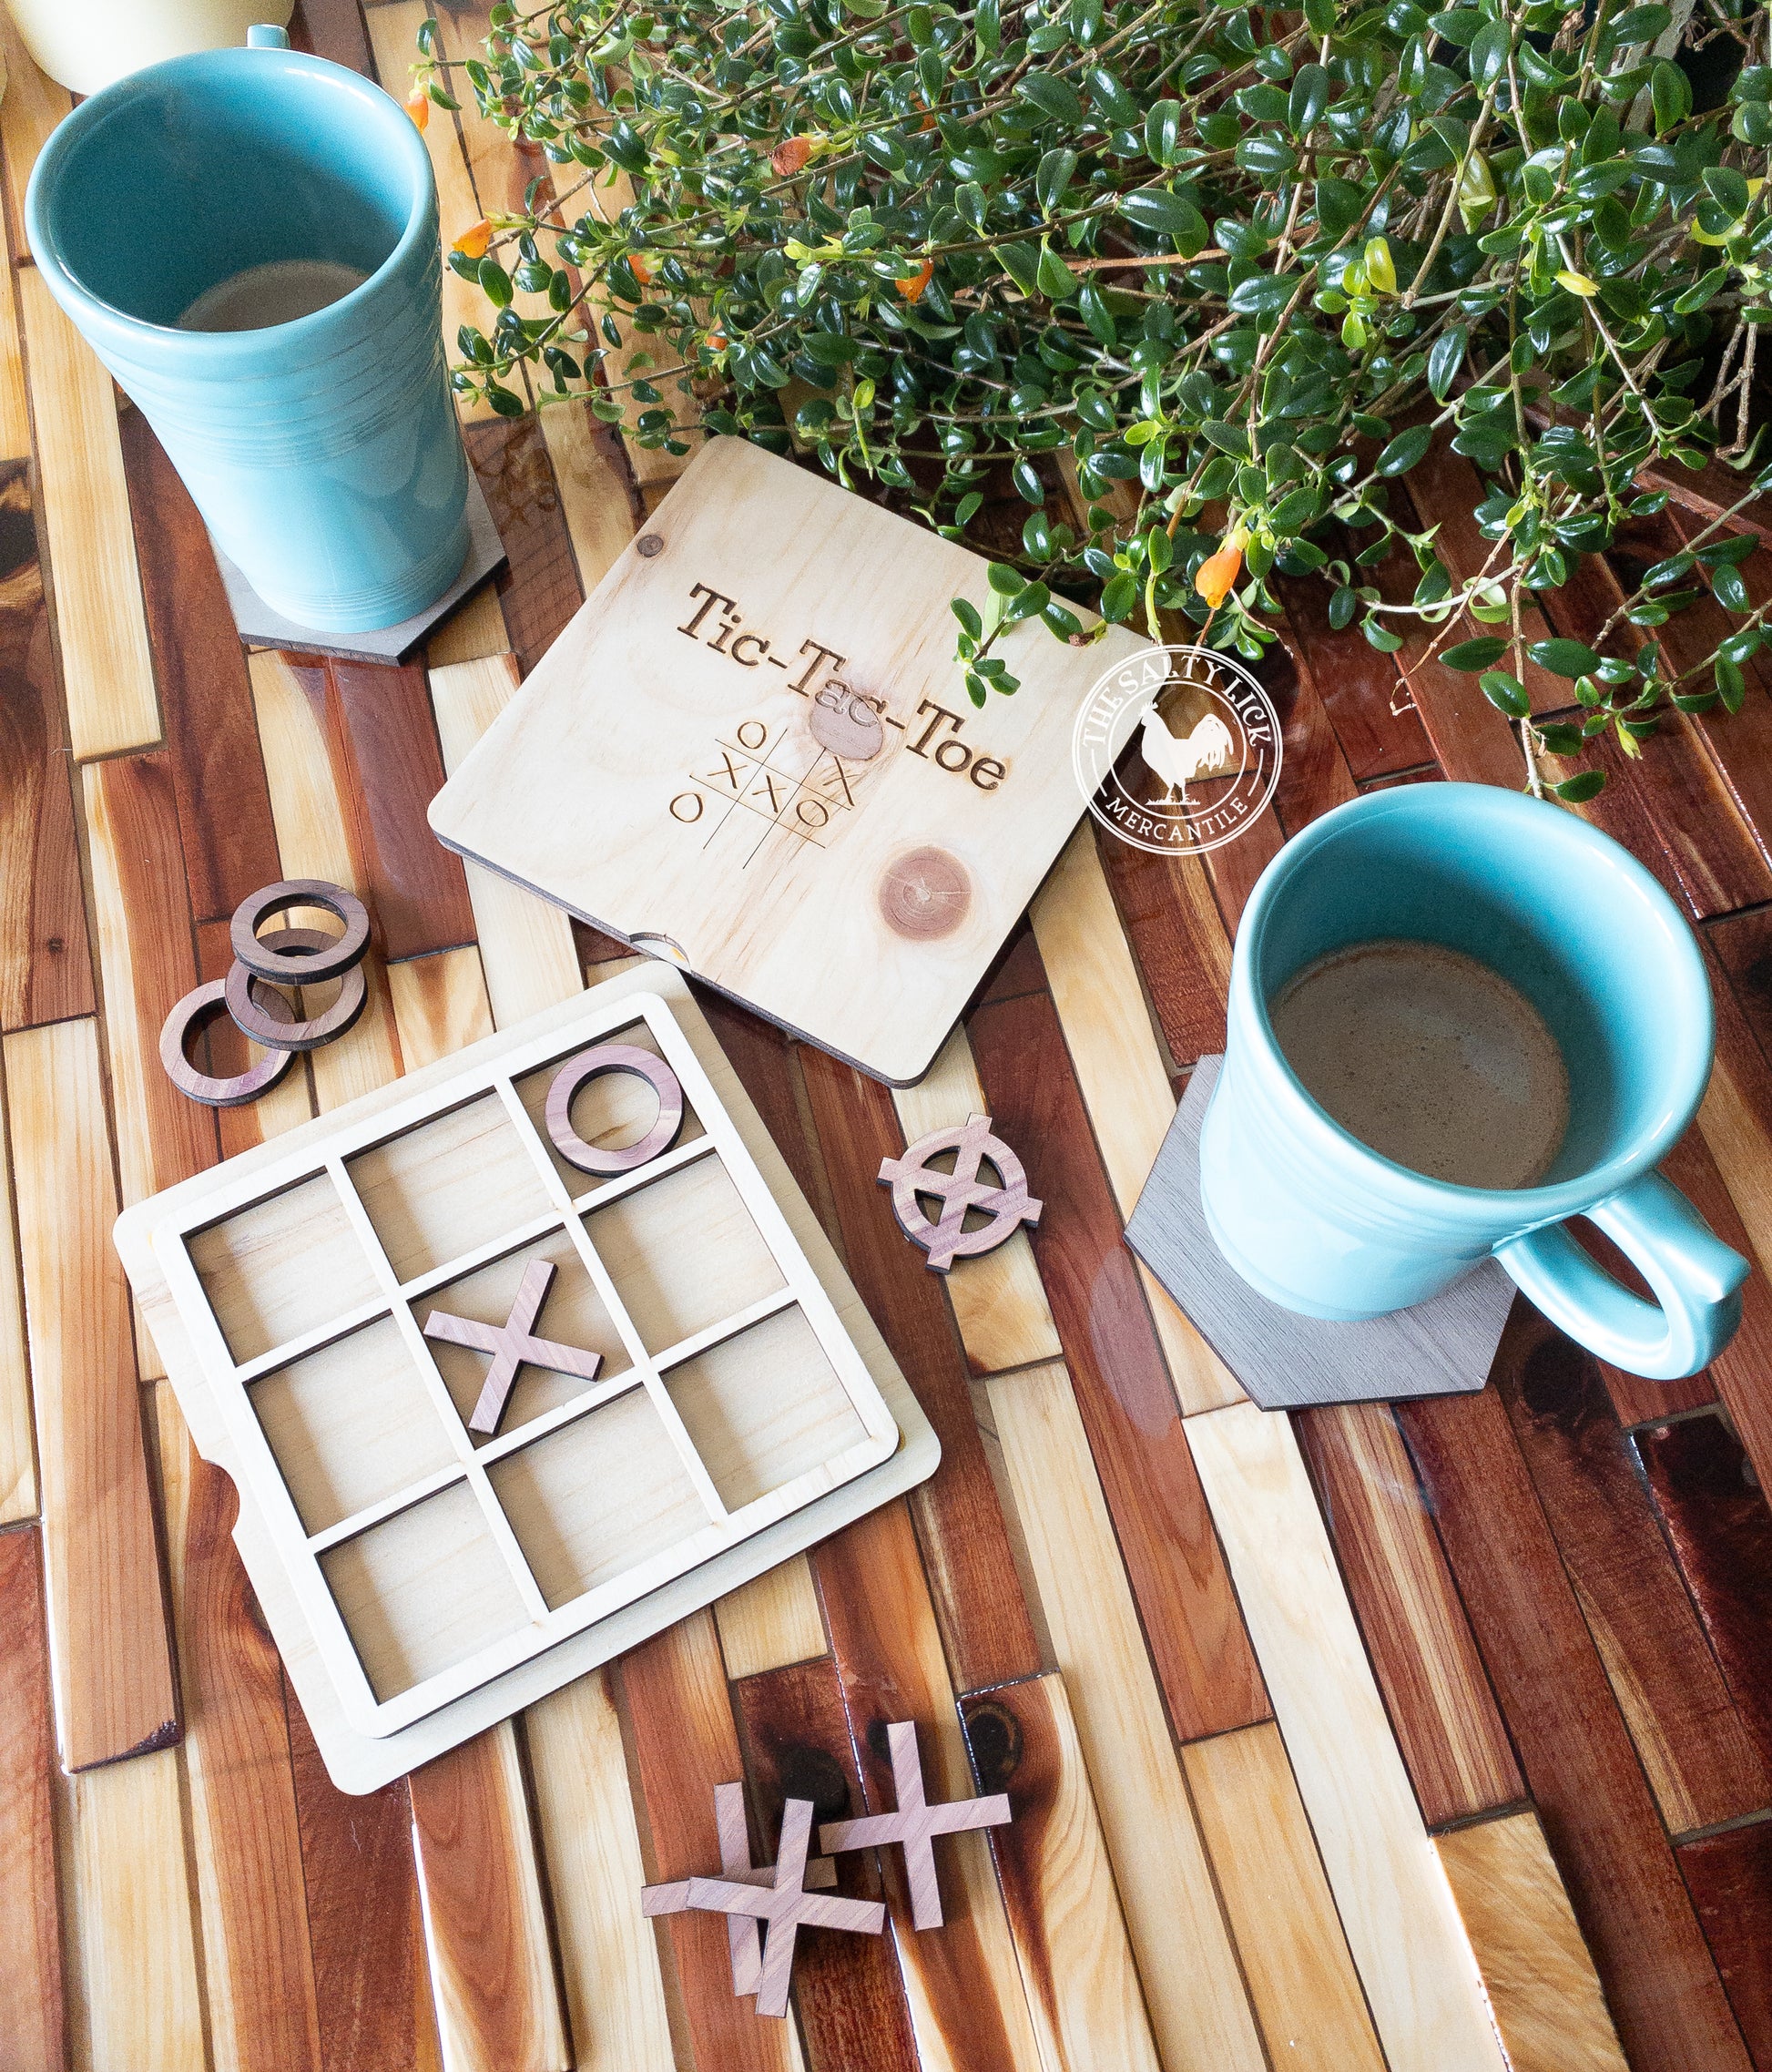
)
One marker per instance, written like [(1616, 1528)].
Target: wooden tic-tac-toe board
[(751, 751), (734, 1402)]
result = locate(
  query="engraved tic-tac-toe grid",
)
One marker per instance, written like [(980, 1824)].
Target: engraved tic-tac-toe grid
[(697, 1385)]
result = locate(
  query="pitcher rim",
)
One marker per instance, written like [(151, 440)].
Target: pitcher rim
[(1532, 1206)]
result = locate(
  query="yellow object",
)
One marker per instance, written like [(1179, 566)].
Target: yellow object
[(87, 46)]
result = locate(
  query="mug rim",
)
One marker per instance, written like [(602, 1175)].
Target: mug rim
[(1534, 1206), (220, 345)]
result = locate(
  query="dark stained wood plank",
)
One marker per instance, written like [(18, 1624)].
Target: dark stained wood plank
[(984, 1620), (211, 732), (46, 965), (540, 590), (685, 1743), (1313, 772), (1017, 969), (1178, 941), (1702, 1764), (1742, 944), (851, 2002), (370, 1985), (418, 886), (768, 1066), (335, 29), (1713, 1510), (1415, 1629), (1579, 1762), (30, 1940), (1201, 1652), (1378, 733), (1730, 1878)]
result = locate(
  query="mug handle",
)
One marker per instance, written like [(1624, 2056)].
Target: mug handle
[(1695, 1277)]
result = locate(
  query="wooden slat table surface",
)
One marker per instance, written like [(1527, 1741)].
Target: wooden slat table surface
[(1428, 1738)]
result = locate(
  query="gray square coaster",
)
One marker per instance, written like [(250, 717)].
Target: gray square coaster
[(261, 626), (1283, 1361)]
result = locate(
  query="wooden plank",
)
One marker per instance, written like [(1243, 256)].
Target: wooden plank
[(597, 497), (998, 1303), (100, 624), (525, 942), (1380, 733), (473, 631), (1052, 1863), (1535, 1967), (978, 1596), (1301, 1977), (1119, 1067), (1313, 773), (847, 1988), (1197, 2006), (685, 1743), (770, 1622), (485, 1923), (18, 1467), (1210, 1681), (135, 1994), (1713, 1510), (113, 1673), (1701, 1761), (1730, 1878), (439, 1003), (420, 896), (335, 29), (968, 2008), (614, 1990), (212, 736), (372, 1986), (1580, 1765), (258, 1964), (33, 106), (46, 965), (1411, 1952), (30, 1907), (1179, 942), (15, 407), (539, 591), (768, 1068), (1420, 1642)]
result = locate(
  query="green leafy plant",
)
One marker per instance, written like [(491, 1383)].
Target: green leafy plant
[(1201, 280)]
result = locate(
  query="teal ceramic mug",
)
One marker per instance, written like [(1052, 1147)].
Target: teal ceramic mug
[(322, 452), (1317, 1221)]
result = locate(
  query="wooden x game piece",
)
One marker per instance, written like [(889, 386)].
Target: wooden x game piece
[(1008, 1206), (742, 1933), (913, 1825), (512, 1345), (787, 1906)]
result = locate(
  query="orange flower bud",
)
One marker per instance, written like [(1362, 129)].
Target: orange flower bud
[(640, 267), (911, 285), (1218, 572), (418, 105), (790, 154), (473, 243)]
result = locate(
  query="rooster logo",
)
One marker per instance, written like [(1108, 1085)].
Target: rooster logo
[(1174, 763)]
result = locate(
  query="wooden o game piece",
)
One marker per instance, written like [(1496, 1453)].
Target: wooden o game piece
[(578, 1072), (787, 1906), (268, 961), (913, 1825), (240, 990), (1009, 1206), (204, 1003), (512, 1345)]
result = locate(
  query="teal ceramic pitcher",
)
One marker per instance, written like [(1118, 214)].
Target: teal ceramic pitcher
[(1319, 1222), (322, 452)]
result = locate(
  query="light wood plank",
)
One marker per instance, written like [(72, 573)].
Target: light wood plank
[(1301, 1977), (771, 1621), (440, 1004), (106, 670), (113, 1671), (1413, 1958), (997, 1298), (471, 634), (30, 1905), (525, 942), (19, 1469), (1063, 1911), (1197, 2005), (137, 2000), (590, 1844), (594, 490), (1119, 1066), (15, 411), (1535, 1967)]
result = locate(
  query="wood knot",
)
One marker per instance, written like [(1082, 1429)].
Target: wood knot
[(925, 895), (993, 1735), (814, 1773)]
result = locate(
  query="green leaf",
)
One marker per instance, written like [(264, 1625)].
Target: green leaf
[(1054, 173), (1405, 450), (1506, 693), (1577, 790), (1052, 95), (1022, 263), (1444, 360), (1729, 590), (1167, 215), (1570, 658), (1309, 96), (1473, 654), (1006, 581), (1728, 189), (495, 283), (1670, 94), (1055, 278), (967, 614)]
